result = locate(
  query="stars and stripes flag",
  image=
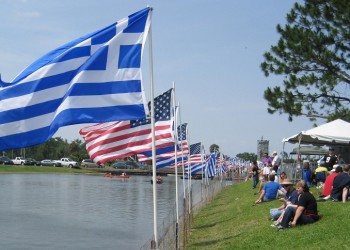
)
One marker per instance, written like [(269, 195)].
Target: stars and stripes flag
[(115, 140), (195, 153), (169, 152), (95, 78), (168, 162), (182, 132)]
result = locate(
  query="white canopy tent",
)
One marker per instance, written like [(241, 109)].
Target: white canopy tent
[(336, 132)]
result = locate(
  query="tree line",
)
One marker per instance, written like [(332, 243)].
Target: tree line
[(55, 148)]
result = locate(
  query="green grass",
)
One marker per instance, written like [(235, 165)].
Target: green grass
[(230, 221), (40, 169)]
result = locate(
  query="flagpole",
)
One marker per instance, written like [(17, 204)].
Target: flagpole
[(154, 169), (182, 156), (176, 176)]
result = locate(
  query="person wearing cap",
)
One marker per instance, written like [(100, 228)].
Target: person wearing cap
[(290, 199), (341, 184), (327, 187), (330, 159), (276, 162), (306, 211)]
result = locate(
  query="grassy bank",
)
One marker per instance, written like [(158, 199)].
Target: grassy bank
[(40, 169), (230, 221)]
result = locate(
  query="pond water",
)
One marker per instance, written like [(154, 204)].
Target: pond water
[(54, 211)]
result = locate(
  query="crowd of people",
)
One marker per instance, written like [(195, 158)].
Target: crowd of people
[(299, 205)]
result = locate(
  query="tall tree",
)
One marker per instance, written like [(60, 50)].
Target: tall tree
[(214, 147), (247, 156), (313, 55)]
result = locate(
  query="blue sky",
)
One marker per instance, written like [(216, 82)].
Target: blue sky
[(212, 50)]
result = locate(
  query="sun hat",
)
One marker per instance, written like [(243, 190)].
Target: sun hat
[(287, 182), (274, 152)]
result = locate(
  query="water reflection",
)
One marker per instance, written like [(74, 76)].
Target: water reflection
[(52, 211)]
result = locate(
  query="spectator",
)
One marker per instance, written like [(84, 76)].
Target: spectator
[(266, 160), (262, 182), (341, 184), (321, 173), (305, 212), (307, 173), (270, 190), (266, 172), (327, 187), (330, 159), (276, 162), (255, 174), (291, 198)]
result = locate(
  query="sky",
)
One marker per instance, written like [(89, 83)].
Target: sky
[(210, 50)]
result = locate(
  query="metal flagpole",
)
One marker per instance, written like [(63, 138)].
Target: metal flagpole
[(182, 156), (153, 144), (176, 177)]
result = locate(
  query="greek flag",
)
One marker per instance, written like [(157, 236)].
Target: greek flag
[(95, 78), (211, 165)]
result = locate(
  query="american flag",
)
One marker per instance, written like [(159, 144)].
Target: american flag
[(95, 78), (169, 152), (195, 153), (110, 141)]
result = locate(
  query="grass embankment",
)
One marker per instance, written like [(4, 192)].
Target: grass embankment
[(230, 221), (41, 169)]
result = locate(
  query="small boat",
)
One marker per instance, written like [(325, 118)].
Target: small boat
[(122, 176), (159, 181)]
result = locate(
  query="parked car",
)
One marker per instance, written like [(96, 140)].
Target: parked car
[(4, 160), (88, 163), (125, 165), (50, 163), (32, 162)]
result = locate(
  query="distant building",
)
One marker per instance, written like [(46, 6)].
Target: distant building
[(263, 147)]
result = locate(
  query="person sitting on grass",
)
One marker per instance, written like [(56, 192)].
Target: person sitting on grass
[(327, 186), (321, 173), (341, 184), (290, 199), (270, 190), (305, 212)]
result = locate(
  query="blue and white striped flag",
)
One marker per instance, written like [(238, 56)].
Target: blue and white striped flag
[(195, 168), (211, 165), (95, 78)]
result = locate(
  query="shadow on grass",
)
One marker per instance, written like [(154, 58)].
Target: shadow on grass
[(210, 225), (213, 242)]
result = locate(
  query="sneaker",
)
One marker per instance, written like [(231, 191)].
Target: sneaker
[(275, 224), (280, 229)]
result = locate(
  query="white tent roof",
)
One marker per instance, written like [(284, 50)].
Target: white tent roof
[(334, 132)]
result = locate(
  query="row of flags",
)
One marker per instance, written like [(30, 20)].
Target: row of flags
[(97, 79)]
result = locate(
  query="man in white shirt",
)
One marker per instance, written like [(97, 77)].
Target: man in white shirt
[(276, 162)]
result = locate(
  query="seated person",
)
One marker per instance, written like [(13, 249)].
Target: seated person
[(291, 198), (270, 190), (321, 173), (341, 184), (283, 176), (304, 213), (327, 187)]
